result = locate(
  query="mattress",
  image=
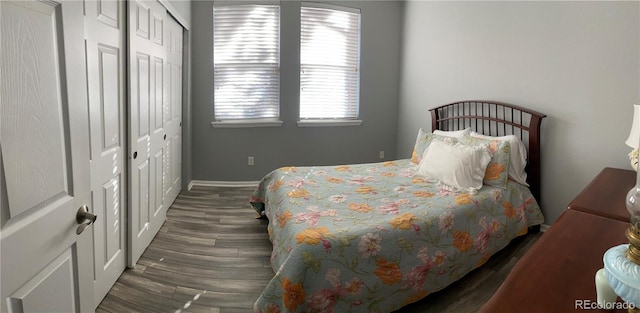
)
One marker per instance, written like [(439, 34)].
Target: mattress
[(375, 237)]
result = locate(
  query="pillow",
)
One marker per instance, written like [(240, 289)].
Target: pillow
[(518, 159), (497, 173), (453, 133), (457, 166), (424, 139)]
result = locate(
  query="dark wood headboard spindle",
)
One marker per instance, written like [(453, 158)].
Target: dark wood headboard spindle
[(493, 118)]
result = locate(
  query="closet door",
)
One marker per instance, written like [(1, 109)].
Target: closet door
[(173, 118), (104, 40), (148, 109)]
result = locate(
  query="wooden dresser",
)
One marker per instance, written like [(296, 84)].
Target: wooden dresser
[(557, 274), (605, 195)]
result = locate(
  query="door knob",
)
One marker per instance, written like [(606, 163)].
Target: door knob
[(84, 218)]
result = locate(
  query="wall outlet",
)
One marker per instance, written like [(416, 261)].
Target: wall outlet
[(382, 154), (250, 161)]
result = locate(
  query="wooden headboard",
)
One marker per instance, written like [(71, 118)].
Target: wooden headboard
[(493, 118)]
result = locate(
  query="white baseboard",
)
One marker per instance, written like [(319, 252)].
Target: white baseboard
[(544, 227), (209, 183)]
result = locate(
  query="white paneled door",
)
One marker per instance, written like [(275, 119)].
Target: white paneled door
[(155, 104), (44, 138), (104, 37), (68, 79), (173, 120)]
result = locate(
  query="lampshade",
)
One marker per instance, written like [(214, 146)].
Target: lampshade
[(634, 135)]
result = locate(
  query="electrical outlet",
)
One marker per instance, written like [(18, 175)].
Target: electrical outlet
[(382, 154), (250, 161)]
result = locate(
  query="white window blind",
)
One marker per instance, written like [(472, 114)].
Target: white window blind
[(246, 59), (329, 62)]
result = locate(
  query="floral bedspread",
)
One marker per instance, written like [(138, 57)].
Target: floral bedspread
[(375, 237)]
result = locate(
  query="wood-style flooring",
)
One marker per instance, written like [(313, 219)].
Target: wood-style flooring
[(212, 255)]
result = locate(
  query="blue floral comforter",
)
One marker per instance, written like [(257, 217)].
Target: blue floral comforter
[(375, 237)]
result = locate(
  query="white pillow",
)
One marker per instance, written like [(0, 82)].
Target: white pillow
[(458, 166), (518, 158), (453, 133)]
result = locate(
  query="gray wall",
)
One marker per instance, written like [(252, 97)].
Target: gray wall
[(220, 154), (578, 62)]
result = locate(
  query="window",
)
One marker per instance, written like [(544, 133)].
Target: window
[(246, 61), (329, 62)]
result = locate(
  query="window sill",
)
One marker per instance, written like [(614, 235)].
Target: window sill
[(246, 124), (329, 123)]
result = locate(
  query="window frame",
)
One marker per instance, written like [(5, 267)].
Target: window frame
[(249, 122), (332, 121)]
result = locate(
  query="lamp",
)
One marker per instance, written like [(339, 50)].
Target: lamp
[(633, 197), (631, 283), (621, 273), (634, 137)]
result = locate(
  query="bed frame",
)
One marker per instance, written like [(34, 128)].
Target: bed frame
[(493, 118)]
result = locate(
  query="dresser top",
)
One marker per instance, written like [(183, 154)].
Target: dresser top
[(605, 195)]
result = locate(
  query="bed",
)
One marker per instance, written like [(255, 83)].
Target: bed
[(375, 237)]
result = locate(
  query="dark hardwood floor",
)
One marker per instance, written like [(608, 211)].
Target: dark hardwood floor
[(212, 255)]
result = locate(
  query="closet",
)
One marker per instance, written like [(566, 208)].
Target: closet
[(91, 119)]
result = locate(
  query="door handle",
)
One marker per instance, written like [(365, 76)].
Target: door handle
[(84, 218)]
